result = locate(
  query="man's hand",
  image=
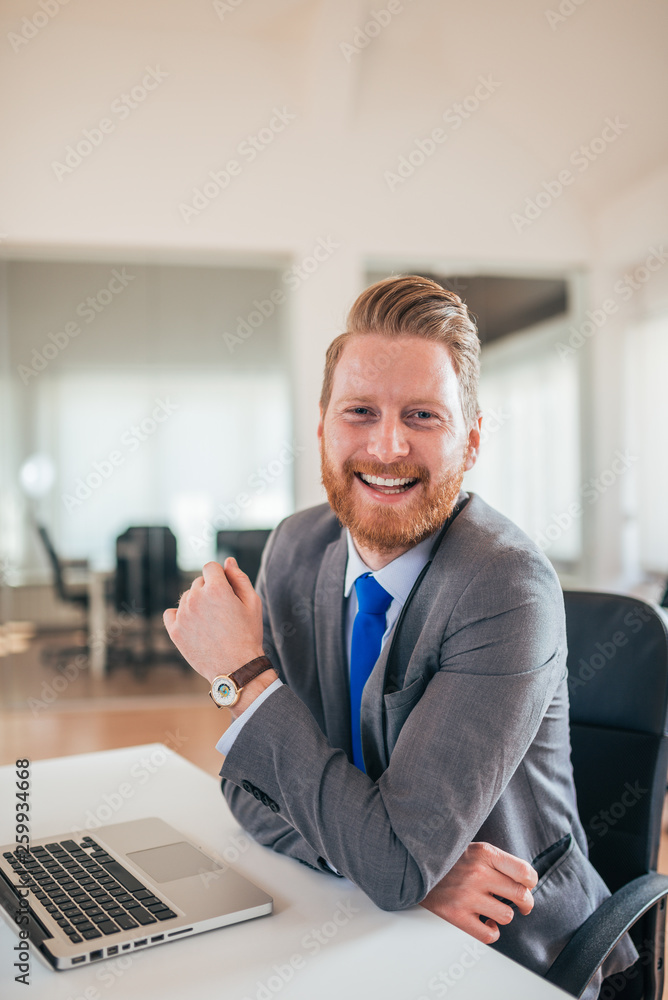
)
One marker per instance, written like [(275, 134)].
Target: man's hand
[(218, 623), (469, 889)]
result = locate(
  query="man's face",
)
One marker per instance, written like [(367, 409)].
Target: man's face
[(395, 414)]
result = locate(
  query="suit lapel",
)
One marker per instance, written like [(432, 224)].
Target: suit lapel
[(389, 673), (332, 664)]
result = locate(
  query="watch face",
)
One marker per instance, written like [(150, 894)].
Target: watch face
[(224, 691)]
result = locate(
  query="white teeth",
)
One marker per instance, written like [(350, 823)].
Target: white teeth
[(377, 481)]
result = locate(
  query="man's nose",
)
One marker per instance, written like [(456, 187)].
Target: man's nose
[(387, 440)]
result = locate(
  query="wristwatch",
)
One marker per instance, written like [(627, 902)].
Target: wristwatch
[(226, 688)]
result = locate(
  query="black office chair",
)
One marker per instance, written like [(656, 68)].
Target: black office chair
[(147, 581), (245, 546), (73, 594), (76, 594), (618, 686)]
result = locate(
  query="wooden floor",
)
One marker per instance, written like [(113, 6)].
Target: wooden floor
[(166, 705), (50, 710)]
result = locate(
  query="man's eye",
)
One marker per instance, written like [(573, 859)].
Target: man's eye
[(361, 410), (424, 414)]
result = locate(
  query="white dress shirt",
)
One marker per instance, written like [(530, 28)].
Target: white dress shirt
[(398, 578)]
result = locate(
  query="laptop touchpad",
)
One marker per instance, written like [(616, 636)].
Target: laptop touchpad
[(165, 864)]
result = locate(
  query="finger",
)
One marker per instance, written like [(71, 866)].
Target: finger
[(197, 583), (169, 617), (493, 927), (486, 931), (517, 869), (523, 900), (501, 885), (239, 581), (213, 572), (496, 910)]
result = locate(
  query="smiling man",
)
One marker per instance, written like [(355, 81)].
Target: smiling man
[(398, 681)]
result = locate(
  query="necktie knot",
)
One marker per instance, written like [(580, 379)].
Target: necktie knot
[(372, 599)]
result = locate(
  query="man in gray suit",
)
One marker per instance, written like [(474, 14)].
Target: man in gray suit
[(398, 680)]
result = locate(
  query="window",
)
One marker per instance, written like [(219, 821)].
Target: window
[(529, 464), (198, 450)]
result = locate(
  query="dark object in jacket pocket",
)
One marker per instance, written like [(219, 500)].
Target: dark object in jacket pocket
[(546, 863), (548, 860)]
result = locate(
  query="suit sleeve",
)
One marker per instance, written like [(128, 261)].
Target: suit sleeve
[(501, 659), (265, 826)]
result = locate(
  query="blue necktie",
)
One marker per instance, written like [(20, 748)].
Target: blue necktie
[(368, 630)]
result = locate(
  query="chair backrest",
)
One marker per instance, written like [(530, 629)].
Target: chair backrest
[(618, 688), (56, 566), (245, 546), (147, 572)]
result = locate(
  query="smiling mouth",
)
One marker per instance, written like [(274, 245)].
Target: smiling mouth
[(401, 485)]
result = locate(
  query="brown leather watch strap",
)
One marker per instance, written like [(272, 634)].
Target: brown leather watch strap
[(244, 675)]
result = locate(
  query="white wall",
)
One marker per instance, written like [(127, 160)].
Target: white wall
[(553, 80)]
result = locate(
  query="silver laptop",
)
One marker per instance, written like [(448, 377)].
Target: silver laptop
[(85, 897)]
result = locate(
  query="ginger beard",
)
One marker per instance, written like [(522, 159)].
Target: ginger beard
[(384, 527)]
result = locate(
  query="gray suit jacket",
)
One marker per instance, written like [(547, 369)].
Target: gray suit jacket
[(464, 727)]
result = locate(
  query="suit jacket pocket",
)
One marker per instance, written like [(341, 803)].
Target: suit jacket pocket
[(398, 706), (547, 862)]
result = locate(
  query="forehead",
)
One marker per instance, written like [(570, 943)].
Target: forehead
[(396, 369)]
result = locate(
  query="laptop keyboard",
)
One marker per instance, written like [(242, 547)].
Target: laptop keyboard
[(87, 892)]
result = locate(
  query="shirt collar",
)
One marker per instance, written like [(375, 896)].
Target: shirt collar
[(398, 576)]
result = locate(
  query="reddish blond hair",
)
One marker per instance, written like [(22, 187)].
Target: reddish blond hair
[(412, 306)]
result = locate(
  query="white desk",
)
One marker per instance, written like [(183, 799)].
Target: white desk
[(341, 945)]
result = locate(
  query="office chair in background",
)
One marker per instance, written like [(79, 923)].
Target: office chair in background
[(245, 546), (618, 687), (147, 581), (67, 592)]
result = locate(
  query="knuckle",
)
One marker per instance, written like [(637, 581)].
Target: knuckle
[(507, 915)]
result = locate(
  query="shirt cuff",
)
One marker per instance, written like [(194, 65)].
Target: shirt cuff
[(224, 744)]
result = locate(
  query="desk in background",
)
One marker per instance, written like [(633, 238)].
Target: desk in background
[(325, 940)]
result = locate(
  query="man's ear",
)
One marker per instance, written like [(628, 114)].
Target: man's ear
[(320, 424), (473, 448)]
